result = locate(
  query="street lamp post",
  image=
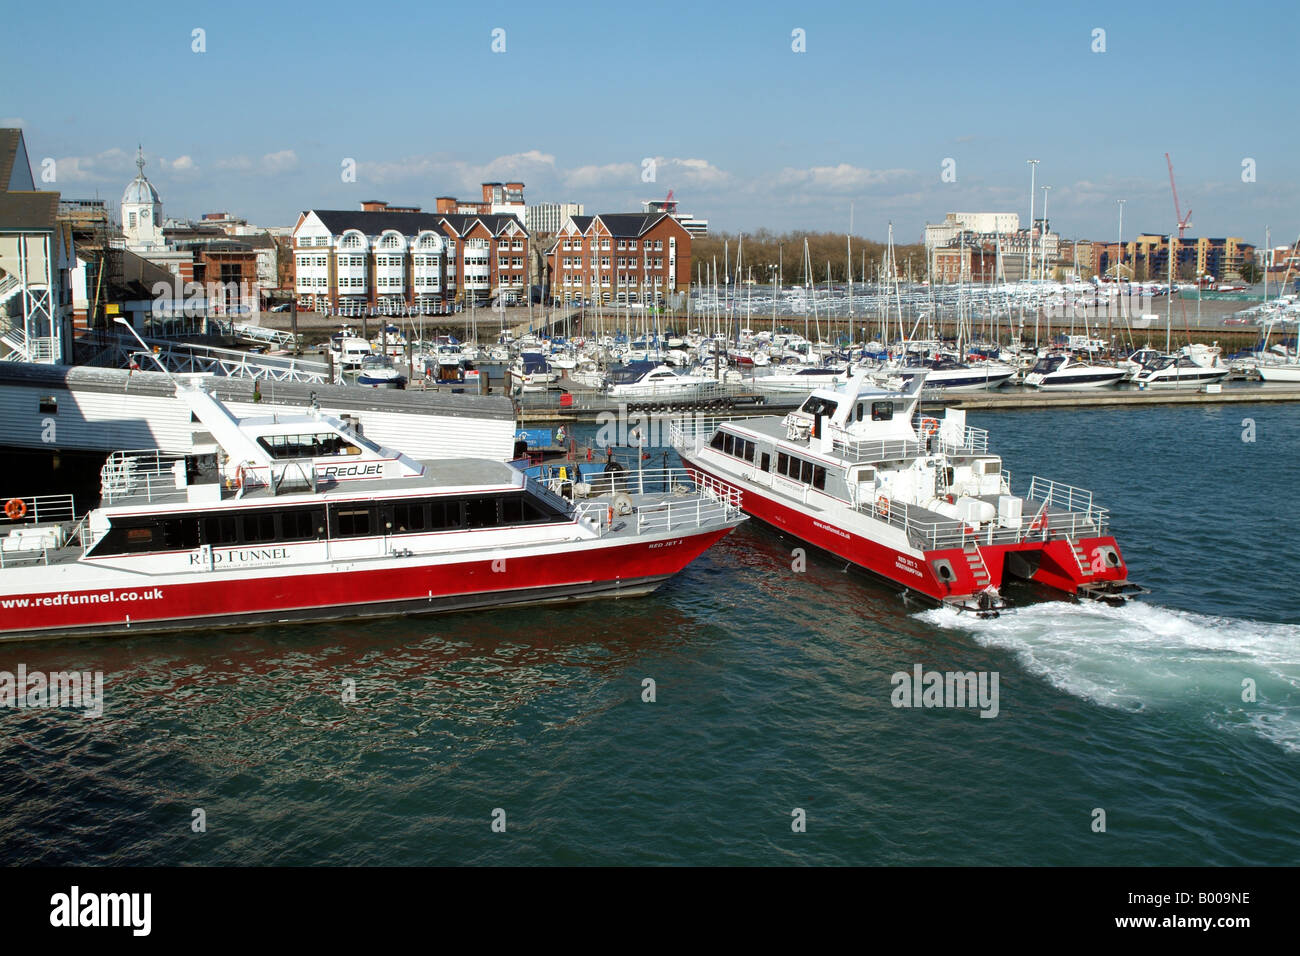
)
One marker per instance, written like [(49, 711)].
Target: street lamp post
[(1043, 274), (1029, 252)]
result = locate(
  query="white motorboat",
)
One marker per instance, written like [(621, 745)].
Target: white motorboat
[(1065, 373)]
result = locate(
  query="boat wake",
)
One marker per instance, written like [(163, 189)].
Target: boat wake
[(1144, 656)]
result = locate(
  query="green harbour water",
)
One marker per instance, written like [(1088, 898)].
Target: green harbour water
[(772, 694)]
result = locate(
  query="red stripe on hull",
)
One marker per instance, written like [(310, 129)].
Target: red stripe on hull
[(591, 570)]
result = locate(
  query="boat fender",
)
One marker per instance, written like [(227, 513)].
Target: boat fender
[(15, 508)]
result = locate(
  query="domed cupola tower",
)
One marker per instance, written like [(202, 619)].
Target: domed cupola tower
[(142, 211)]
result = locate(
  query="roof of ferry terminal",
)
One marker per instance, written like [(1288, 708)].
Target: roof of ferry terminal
[(120, 381)]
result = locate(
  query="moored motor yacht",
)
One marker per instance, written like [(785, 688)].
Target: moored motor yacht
[(379, 372), (646, 380), (950, 375), (1064, 373), (1179, 370)]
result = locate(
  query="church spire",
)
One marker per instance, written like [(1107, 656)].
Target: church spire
[(139, 159)]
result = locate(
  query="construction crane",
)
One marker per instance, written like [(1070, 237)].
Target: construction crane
[(1183, 221)]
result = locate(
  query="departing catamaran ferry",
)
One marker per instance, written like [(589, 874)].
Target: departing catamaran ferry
[(294, 517), (858, 471)]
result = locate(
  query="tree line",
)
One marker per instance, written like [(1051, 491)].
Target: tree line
[(763, 251)]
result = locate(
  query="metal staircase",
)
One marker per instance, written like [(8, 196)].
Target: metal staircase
[(978, 568), (10, 286), (1081, 558)]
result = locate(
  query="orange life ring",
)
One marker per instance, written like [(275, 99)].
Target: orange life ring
[(882, 506), (15, 508), (930, 426)]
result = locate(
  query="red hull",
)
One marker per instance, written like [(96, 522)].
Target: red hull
[(590, 571), (1053, 561)]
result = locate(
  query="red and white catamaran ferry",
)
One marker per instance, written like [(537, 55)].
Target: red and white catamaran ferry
[(286, 518), (858, 472)]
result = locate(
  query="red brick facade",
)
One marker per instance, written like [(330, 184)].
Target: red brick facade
[(620, 258)]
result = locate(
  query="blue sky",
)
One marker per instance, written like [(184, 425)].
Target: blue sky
[(747, 132)]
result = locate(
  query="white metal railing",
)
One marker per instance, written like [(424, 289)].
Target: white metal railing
[(42, 509), (1042, 525), (678, 498), (974, 439), (138, 474), (38, 531), (714, 501), (685, 430), (881, 450), (1060, 495)]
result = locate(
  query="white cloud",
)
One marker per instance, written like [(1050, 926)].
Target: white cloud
[(590, 177), (12, 122), (271, 164), (112, 165), (841, 178), (281, 162)]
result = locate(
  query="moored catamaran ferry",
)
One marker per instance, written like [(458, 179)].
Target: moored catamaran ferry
[(295, 517), (858, 471)]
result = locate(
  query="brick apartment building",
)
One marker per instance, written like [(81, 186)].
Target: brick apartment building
[(620, 257), (394, 259), (1147, 257)]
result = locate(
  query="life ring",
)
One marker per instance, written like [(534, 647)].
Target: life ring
[(15, 508), (930, 426), (882, 506)]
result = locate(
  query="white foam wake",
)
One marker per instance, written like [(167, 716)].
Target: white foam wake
[(1143, 656)]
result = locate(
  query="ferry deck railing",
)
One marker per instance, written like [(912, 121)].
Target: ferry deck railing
[(146, 474), (1060, 511), (39, 531), (679, 498)]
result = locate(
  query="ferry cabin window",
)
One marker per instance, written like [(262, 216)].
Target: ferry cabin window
[(733, 445), (797, 469), (765, 462), (220, 530), (408, 517), (259, 527), (300, 525), (819, 406), (324, 445), (352, 522), (444, 515), (481, 512), (882, 411)]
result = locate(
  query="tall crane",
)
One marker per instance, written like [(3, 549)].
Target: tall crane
[(1183, 221)]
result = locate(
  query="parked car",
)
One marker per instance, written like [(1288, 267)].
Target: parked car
[(282, 307)]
